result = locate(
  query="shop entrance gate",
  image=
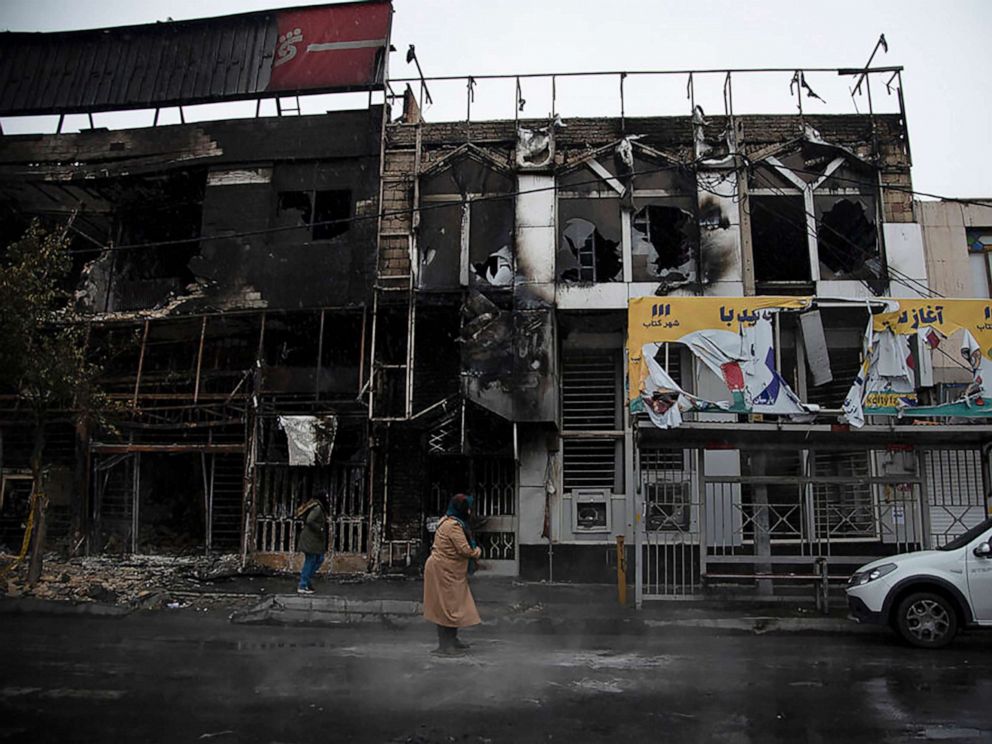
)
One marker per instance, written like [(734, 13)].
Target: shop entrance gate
[(756, 519)]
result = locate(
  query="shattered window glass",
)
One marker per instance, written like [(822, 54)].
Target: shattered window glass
[(664, 242), (439, 246), (465, 220), (847, 238), (589, 247), (491, 243)]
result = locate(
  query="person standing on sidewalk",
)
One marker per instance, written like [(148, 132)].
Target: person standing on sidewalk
[(313, 538), (448, 601)]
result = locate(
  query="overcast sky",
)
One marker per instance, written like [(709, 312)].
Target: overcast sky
[(944, 47)]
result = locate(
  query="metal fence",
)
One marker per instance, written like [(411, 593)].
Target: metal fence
[(765, 518)]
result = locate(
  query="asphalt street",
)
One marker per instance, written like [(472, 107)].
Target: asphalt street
[(184, 676)]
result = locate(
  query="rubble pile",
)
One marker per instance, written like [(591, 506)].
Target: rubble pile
[(139, 581)]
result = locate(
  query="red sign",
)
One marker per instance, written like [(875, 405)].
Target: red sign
[(337, 46)]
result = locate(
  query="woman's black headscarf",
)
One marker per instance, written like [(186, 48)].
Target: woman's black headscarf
[(459, 508)]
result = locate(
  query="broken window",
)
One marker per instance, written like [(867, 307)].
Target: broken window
[(664, 243), (161, 216), (439, 245), (778, 239), (590, 249), (591, 197), (465, 236), (491, 243), (836, 193), (326, 214), (847, 239)]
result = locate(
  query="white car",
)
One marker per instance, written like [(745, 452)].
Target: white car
[(927, 595)]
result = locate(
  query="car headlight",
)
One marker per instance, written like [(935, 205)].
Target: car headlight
[(863, 577)]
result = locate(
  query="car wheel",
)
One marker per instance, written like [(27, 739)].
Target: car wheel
[(927, 620)]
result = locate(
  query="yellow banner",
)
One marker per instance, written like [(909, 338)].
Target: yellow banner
[(658, 320), (946, 316)]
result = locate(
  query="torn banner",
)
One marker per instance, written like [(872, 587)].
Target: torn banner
[(310, 438), (733, 337), (663, 398), (886, 383)]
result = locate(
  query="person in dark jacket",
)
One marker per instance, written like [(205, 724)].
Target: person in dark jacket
[(313, 539)]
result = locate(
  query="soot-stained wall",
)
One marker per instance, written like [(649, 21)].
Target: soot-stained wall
[(283, 208)]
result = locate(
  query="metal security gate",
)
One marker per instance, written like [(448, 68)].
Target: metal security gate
[(763, 517), (492, 481), (669, 545), (955, 482)]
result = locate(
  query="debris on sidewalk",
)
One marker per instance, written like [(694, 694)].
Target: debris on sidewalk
[(144, 582)]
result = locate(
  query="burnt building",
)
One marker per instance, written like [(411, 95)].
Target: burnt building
[(677, 329), (532, 264), (223, 270)]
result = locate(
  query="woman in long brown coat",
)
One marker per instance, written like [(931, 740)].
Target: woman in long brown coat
[(448, 601)]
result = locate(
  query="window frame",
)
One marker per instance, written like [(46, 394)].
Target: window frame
[(810, 191)]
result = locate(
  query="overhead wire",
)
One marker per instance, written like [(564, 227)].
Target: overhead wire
[(746, 164), (901, 277), (370, 217)]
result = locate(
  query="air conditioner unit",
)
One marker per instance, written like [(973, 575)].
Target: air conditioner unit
[(591, 510)]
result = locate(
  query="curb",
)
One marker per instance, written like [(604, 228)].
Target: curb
[(36, 606), (337, 611)]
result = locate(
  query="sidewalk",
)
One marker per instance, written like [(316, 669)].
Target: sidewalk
[(504, 603), (508, 604)]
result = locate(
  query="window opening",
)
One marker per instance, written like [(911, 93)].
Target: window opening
[(664, 244), (596, 258), (779, 239), (847, 241), (325, 213)]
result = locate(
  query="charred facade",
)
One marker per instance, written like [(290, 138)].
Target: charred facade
[(395, 310), (224, 271)]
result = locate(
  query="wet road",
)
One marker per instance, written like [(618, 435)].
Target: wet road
[(189, 677)]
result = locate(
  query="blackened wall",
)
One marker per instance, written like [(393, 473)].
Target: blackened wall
[(287, 264)]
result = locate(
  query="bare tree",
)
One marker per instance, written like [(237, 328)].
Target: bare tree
[(43, 358)]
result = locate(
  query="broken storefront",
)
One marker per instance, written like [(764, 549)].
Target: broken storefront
[(214, 334), (397, 311)]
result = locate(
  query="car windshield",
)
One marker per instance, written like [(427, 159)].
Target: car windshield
[(967, 537)]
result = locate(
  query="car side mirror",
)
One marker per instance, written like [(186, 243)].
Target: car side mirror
[(984, 550)]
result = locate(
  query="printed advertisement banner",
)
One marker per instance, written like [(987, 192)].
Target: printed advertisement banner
[(886, 384), (734, 338)]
